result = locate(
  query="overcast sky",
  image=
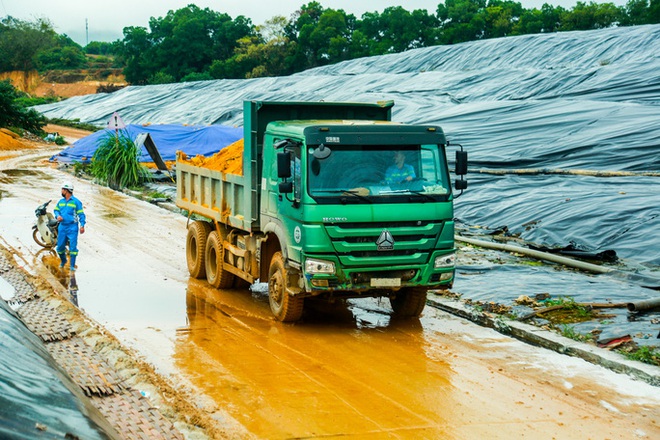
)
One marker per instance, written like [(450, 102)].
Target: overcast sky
[(106, 19)]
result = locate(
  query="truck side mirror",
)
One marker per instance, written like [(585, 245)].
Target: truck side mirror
[(286, 187), (460, 185), (283, 165), (461, 163)]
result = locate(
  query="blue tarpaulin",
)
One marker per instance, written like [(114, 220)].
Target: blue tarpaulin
[(169, 138)]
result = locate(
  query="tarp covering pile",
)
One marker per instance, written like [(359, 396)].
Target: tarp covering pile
[(565, 101), (37, 400), (169, 138)]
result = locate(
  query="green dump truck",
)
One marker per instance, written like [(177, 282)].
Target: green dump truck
[(335, 201)]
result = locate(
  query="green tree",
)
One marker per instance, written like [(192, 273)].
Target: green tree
[(12, 114), (64, 54), (184, 42), (135, 54), (500, 17), (101, 48), (590, 16), (396, 30), (462, 20), (21, 41)]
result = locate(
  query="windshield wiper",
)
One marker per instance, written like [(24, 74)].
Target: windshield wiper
[(349, 191)]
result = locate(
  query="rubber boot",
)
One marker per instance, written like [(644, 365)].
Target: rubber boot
[(73, 262), (63, 258)]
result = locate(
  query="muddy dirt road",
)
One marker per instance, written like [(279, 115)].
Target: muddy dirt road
[(350, 371)]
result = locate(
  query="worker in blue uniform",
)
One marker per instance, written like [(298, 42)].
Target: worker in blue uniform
[(399, 172), (71, 217)]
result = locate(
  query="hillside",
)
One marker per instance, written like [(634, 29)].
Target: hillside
[(65, 83)]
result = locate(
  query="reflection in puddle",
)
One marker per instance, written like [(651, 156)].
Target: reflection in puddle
[(114, 215), (18, 175), (349, 359), (65, 276)]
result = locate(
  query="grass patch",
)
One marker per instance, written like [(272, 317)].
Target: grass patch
[(569, 331), (115, 162), (569, 311), (75, 123), (645, 353)]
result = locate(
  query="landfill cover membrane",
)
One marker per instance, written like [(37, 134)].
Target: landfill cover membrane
[(39, 402), (570, 101)]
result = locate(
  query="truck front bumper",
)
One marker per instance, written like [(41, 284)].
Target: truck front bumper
[(324, 273)]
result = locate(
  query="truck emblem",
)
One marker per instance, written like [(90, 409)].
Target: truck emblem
[(385, 241)]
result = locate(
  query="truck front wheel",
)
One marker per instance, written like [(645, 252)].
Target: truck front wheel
[(195, 248), (409, 301), (215, 256), (285, 307)]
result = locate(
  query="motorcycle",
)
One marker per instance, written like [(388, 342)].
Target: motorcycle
[(44, 231)]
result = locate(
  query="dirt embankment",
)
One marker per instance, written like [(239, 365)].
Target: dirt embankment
[(74, 83)]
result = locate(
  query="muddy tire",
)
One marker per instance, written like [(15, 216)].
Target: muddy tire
[(214, 256), (285, 307), (37, 237), (195, 247), (409, 301)]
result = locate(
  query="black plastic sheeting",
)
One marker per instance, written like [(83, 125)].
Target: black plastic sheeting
[(565, 101), (37, 399)]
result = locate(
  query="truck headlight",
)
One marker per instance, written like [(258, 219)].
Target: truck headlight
[(448, 260), (313, 266)]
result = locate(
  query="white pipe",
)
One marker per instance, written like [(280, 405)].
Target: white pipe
[(537, 254)]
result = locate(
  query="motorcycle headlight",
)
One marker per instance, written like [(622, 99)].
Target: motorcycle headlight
[(313, 266), (444, 261)]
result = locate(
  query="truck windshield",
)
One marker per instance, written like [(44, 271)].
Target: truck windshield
[(386, 174)]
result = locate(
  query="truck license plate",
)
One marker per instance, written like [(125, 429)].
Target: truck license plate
[(386, 282)]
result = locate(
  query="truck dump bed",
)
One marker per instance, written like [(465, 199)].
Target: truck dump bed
[(234, 199)]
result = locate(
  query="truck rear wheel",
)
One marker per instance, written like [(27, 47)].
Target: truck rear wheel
[(198, 231), (285, 307), (214, 257), (409, 301)]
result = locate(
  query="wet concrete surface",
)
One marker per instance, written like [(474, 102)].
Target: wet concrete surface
[(346, 370)]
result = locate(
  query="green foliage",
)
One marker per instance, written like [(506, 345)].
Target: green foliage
[(183, 42), (101, 48), (115, 162), (64, 54), (80, 168), (195, 76), (570, 332), (13, 114), (646, 354), (161, 78), (26, 101), (21, 41), (75, 123)]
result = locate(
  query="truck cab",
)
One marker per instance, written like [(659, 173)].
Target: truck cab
[(355, 222)]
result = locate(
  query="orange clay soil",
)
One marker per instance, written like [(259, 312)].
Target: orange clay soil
[(228, 160), (10, 141)]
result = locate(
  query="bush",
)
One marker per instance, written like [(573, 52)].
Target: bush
[(75, 123), (115, 162), (197, 76), (12, 114)]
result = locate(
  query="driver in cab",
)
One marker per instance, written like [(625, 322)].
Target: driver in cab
[(399, 172)]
